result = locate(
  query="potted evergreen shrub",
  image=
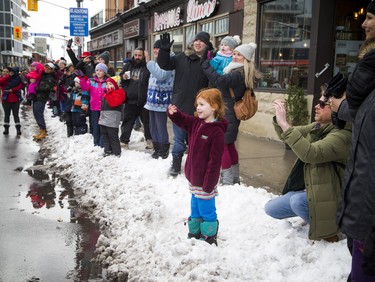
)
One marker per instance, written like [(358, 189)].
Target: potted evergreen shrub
[(296, 107)]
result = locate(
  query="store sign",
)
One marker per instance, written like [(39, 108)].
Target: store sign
[(168, 19), (131, 29), (196, 11), (108, 40), (288, 63)]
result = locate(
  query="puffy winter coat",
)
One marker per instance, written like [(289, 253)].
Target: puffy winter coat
[(323, 151), (189, 77), (95, 88)]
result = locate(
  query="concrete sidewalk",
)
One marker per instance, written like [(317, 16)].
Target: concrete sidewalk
[(264, 163)]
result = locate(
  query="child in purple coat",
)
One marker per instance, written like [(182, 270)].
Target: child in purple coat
[(202, 168)]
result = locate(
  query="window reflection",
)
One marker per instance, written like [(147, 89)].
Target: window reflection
[(284, 43)]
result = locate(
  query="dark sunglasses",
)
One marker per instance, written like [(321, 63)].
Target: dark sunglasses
[(322, 104)]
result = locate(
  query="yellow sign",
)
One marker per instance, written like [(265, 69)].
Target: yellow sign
[(17, 33), (32, 5)]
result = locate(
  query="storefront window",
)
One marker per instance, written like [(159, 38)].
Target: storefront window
[(189, 33), (284, 43), (178, 38)]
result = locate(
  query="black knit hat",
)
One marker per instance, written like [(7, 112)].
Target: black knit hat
[(105, 56), (203, 36), (157, 44), (371, 8)]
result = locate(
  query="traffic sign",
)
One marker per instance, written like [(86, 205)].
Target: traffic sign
[(78, 40), (79, 21)]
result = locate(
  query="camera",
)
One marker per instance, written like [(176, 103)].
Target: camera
[(336, 88)]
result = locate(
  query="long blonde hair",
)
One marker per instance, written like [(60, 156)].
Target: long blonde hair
[(251, 73)]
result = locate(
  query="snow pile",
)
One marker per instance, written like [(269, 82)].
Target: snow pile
[(141, 212)]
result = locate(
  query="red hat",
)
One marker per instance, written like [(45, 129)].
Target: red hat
[(85, 54), (111, 80), (32, 75)]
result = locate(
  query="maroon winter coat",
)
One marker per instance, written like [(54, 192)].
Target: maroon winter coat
[(206, 146)]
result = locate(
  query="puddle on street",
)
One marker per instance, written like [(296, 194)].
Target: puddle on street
[(52, 198)]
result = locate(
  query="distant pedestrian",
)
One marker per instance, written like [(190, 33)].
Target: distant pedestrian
[(159, 95), (95, 88), (11, 85), (110, 117), (202, 169), (134, 81)]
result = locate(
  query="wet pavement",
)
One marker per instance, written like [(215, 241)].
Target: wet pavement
[(44, 235), (264, 163)]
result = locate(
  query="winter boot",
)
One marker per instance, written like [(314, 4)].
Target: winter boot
[(194, 225), (36, 135), (209, 231), (149, 144), (43, 134), (226, 176), (175, 169), (164, 150), (155, 154), (236, 173), (6, 130), (18, 127)]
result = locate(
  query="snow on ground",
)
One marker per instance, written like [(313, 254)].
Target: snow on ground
[(142, 211)]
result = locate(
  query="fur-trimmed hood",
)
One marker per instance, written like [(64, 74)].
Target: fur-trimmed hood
[(366, 47)]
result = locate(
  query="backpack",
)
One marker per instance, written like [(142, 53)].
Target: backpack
[(247, 106)]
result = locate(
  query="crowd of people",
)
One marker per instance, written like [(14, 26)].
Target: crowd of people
[(331, 184)]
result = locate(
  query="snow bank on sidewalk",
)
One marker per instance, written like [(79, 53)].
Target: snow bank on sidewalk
[(141, 212)]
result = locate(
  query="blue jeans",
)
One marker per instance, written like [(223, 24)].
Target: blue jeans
[(179, 141), (158, 127), (289, 205), (205, 209), (98, 140), (38, 110)]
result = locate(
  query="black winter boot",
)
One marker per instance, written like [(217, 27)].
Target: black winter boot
[(164, 150), (18, 127), (6, 130), (156, 152), (176, 166)]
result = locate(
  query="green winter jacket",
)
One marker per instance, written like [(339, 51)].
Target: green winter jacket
[(322, 150)]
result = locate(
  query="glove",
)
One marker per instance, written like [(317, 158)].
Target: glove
[(69, 45), (368, 254), (206, 54), (165, 41)]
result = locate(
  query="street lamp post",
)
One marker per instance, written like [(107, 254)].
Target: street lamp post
[(79, 46)]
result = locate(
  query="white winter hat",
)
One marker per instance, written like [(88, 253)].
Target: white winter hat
[(247, 50)]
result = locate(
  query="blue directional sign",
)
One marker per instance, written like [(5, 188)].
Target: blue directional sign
[(79, 21)]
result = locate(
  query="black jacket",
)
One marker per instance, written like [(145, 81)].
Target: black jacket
[(356, 213), (135, 87), (235, 80), (189, 78), (361, 81)]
